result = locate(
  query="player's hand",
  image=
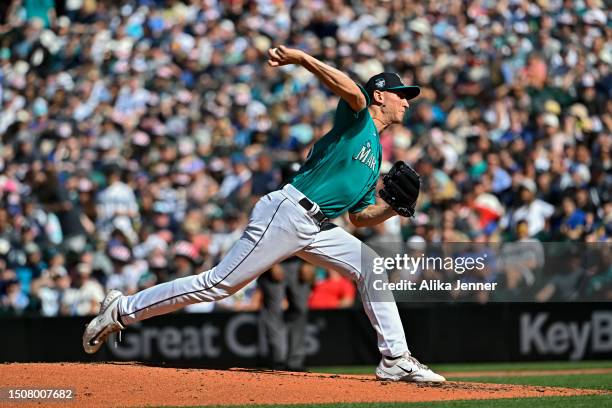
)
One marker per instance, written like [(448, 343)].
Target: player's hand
[(284, 56)]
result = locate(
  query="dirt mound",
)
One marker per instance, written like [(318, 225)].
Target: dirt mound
[(132, 384)]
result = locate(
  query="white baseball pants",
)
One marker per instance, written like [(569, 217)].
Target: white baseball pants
[(278, 228)]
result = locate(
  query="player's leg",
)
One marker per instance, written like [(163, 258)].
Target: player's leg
[(272, 234), (336, 249), (277, 228)]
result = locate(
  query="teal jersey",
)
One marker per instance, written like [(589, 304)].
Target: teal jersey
[(342, 169)]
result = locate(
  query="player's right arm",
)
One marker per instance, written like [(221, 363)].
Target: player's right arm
[(372, 215), (337, 81)]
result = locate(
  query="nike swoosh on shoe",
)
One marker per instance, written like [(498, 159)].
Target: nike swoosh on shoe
[(404, 370)]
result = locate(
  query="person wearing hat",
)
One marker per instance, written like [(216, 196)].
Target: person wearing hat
[(48, 291), (339, 176), (533, 210), (13, 299), (186, 259), (117, 199), (125, 275), (35, 262), (89, 292)]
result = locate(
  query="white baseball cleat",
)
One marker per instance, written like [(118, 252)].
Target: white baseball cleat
[(103, 324), (406, 368)]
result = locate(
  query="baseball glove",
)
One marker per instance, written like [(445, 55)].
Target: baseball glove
[(401, 188)]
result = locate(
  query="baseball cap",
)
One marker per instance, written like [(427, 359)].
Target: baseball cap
[(84, 269), (529, 185), (120, 253), (390, 81), (186, 250), (551, 120)]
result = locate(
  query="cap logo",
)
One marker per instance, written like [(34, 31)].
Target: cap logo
[(380, 83)]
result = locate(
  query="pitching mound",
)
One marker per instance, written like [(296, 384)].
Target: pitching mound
[(130, 384)]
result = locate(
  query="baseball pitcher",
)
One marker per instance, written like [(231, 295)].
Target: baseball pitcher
[(339, 175)]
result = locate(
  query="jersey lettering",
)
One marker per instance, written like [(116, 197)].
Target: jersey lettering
[(366, 157)]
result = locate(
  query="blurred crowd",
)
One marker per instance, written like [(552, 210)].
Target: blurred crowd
[(137, 135)]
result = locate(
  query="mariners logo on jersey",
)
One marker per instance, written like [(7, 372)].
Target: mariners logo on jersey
[(366, 157)]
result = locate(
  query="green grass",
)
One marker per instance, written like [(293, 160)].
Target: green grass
[(587, 381), (547, 365), (598, 401), (590, 381)]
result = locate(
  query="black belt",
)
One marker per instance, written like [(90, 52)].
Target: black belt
[(307, 204)]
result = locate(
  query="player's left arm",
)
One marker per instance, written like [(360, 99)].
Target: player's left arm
[(337, 81), (372, 215)]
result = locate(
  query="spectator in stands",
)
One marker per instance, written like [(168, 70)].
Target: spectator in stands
[(89, 292), (125, 275), (186, 260), (117, 199), (533, 210), (567, 283), (332, 292), (50, 289), (149, 111), (13, 299), (520, 263), (573, 221)]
